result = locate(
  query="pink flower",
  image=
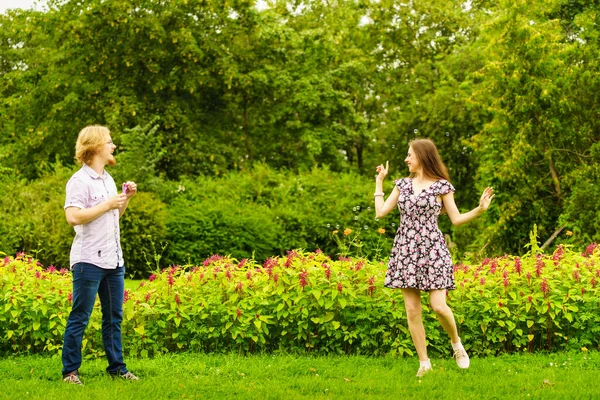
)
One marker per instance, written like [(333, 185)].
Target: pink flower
[(275, 278), (318, 251), (249, 275), (493, 266), (593, 282), (269, 264), (588, 251), (38, 275), (544, 287), (506, 282), (228, 274), (63, 271), (539, 266), (147, 297), (327, 271), (70, 297), (303, 276), (518, 268), (152, 277), (482, 281), (239, 287), (211, 259), (340, 287), (51, 269), (125, 296), (576, 275)]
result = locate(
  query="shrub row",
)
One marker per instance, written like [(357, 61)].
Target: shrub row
[(308, 302), (253, 214)]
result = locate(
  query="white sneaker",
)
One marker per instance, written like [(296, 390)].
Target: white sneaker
[(422, 371), (462, 358)]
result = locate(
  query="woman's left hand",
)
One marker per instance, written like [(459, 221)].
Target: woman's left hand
[(486, 198)]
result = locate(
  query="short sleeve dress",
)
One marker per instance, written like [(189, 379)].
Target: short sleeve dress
[(420, 258)]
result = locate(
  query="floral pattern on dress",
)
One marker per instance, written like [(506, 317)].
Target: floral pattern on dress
[(420, 258)]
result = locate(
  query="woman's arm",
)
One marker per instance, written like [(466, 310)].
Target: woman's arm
[(383, 208), (456, 217)]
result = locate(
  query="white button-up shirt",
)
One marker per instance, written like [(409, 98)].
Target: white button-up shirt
[(99, 241)]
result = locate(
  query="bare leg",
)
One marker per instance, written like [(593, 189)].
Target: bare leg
[(437, 299), (412, 303)]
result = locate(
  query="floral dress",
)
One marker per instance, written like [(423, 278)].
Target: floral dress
[(420, 258)]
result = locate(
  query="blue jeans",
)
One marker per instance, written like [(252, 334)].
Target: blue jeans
[(109, 284)]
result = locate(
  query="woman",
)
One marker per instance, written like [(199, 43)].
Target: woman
[(420, 260)]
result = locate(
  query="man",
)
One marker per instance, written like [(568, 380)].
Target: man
[(93, 207)]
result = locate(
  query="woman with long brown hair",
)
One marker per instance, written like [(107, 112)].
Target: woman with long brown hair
[(420, 260)]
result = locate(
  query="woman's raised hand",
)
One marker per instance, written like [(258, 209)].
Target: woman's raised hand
[(486, 198), (382, 171)]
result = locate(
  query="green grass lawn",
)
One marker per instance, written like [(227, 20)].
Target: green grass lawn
[(185, 376)]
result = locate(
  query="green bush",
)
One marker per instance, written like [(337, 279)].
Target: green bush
[(143, 230), (37, 223), (265, 212), (307, 302)]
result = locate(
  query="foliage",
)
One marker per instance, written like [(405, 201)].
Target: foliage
[(308, 302), (263, 212), (194, 89)]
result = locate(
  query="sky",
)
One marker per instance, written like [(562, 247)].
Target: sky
[(25, 4)]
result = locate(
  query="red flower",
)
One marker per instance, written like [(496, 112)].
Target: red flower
[(125, 296), (239, 287), (544, 287), (340, 287), (211, 259), (590, 249), (152, 277), (482, 281), (529, 298), (593, 282), (506, 282), (539, 266), (327, 271), (148, 296), (275, 278), (500, 304), (38, 275), (303, 276), (576, 275), (70, 297), (582, 290), (239, 313), (177, 299), (518, 268), (249, 275), (493, 266)]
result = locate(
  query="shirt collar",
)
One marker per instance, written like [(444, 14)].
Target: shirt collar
[(93, 174)]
